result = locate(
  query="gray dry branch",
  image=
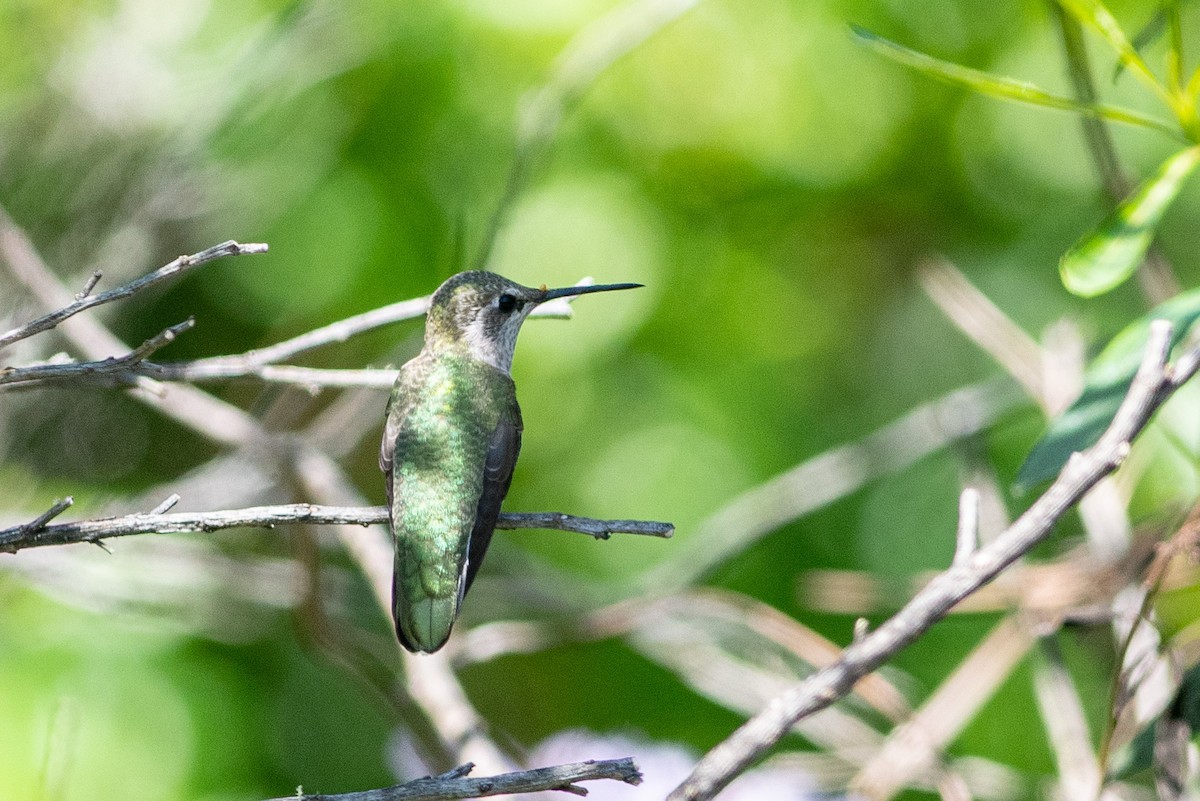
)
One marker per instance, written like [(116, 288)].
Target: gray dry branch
[(16, 377), (83, 301), (259, 364), (1154, 383), (40, 531), (455, 784)]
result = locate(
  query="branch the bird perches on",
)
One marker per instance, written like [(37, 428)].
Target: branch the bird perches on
[(40, 531)]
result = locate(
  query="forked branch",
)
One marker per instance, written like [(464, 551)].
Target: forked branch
[(83, 301), (1154, 383)]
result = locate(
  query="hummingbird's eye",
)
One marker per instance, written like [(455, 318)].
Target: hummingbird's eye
[(507, 303)]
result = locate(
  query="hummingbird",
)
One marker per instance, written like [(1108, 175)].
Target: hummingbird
[(450, 442)]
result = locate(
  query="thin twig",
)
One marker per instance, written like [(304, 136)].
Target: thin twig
[(912, 750), (247, 363), (13, 238), (212, 417), (967, 538), (105, 373), (167, 505), (834, 474), (251, 364), (18, 377), (90, 285), (1066, 725), (984, 323), (1154, 382), (258, 364), (599, 529), (38, 524), (38, 533), (454, 785), (1184, 540)]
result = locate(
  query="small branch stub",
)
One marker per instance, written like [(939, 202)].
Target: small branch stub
[(167, 505), (90, 285), (39, 523)]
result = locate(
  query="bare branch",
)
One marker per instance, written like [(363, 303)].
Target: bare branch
[(37, 533), (111, 368), (984, 323), (912, 751), (455, 785), (12, 239), (313, 379), (834, 474), (213, 418), (106, 373), (599, 529), (251, 364), (258, 364), (1154, 382), (247, 363), (967, 539)]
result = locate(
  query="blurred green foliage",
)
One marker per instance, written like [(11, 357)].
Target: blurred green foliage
[(772, 183)]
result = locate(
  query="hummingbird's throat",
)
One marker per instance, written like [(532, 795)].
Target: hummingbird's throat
[(493, 341)]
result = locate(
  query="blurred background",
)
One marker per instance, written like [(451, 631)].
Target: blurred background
[(777, 189)]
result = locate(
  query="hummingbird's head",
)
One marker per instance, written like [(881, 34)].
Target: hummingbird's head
[(484, 312)]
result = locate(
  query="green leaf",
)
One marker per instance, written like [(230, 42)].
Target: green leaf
[(1105, 258), (1148, 35), (1003, 87), (1107, 380), (1096, 16), (1175, 52)]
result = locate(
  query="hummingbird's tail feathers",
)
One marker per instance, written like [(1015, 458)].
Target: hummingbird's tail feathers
[(408, 644), (423, 624), (429, 621)]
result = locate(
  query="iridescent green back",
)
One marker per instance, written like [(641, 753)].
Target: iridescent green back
[(444, 413)]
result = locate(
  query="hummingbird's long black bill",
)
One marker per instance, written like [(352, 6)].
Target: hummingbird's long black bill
[(568, 291)]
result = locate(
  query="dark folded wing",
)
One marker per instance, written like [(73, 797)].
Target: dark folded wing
[(503, 448), (387, 447)]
